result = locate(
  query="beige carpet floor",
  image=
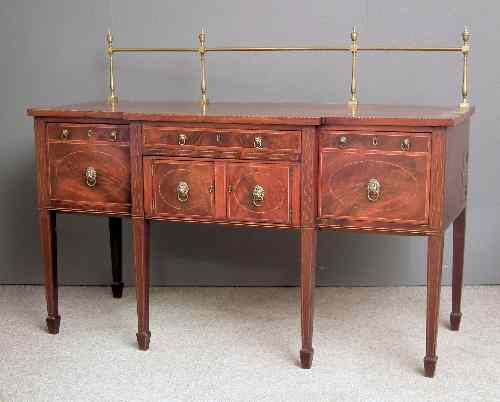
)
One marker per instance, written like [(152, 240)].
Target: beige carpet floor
[(241, 344)]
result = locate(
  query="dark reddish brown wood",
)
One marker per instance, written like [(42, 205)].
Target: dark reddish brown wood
[(404, 186), (68, 184), (245, 178), (434, 269), (455, 180), (49, 251), (436, 210), (220, 190), (263, 113), (115, 241), (168, 175), (458, 270), (136, 168), (221, 142), (140, 235), (78, 132), (374, 140), (308, 236)]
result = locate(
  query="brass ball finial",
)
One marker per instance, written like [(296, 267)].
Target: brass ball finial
[(109, 38), (466, 34), (354, 34), (202, 36)]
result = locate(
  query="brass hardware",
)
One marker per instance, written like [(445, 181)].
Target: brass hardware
[(464, 106), (182, 191), (112, 98), (202, 37), (91, 176), (405, 144), (258, 195), (65, 134), (230, 188), (258, 142), (181, 139), (211, 188), (218, 138), (373, 190), (89, 133), (114, 135), (374, 141), (343, 140), (354, 51)]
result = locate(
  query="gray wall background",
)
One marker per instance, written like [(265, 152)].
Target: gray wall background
[(52, 52)]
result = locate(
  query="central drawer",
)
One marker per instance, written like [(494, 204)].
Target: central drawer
[(222, 143)]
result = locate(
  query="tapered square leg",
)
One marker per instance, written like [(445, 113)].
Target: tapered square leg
[(434, 270), (458, 270), (47, 220), (140, 230), (115, 242), (308, 240)]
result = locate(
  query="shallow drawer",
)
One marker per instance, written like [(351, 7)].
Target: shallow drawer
[(259, 192), (87, 132), (222, 143), (376, 140), (374, 187), (90, 176)]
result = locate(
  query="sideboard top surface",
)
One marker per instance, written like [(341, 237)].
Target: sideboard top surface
[(262, 113)]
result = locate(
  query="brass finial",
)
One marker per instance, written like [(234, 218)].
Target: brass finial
[(202, 36), (464, 105), (354, 51)]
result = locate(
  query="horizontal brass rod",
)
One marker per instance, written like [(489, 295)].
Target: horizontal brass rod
[(285, 49), (153, 49)]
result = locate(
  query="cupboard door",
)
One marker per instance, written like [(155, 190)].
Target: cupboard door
[(260, 192), (181, 188)]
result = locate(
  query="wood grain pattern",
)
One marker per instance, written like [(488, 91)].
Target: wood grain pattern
[(68, 165), (434, 269), (301, 114), (404, 186), (458, 270)]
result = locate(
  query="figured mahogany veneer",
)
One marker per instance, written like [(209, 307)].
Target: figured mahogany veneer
[(382, 169)]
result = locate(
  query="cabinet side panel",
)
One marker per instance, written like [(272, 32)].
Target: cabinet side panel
[(455, 183), (41, 163), (438, 155)]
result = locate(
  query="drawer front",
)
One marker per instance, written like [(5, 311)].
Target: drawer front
[(183, 189), (222, 143), (260, 192), (68, 132), (90, 176), (374, 187), (376, 141)]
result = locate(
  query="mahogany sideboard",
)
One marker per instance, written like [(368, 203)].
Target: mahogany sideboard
[(377, 169)]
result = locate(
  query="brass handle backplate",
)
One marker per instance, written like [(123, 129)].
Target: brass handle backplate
[(405, 144), (373, 190), (258, 195), (343, 140), (114, 135), (91, 176), (181, 139), (65, 134), (258, 142), (182, 191)]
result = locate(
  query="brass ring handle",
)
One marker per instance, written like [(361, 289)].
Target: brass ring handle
[(258, 142), (91, 176), (182, 191), (373, 190), (405, 144), (114, 135), (89, 133), (65, 134), (218, 138), (258, 195), (181, 139)]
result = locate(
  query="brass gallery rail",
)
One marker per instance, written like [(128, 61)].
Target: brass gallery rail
[(202, 50)]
